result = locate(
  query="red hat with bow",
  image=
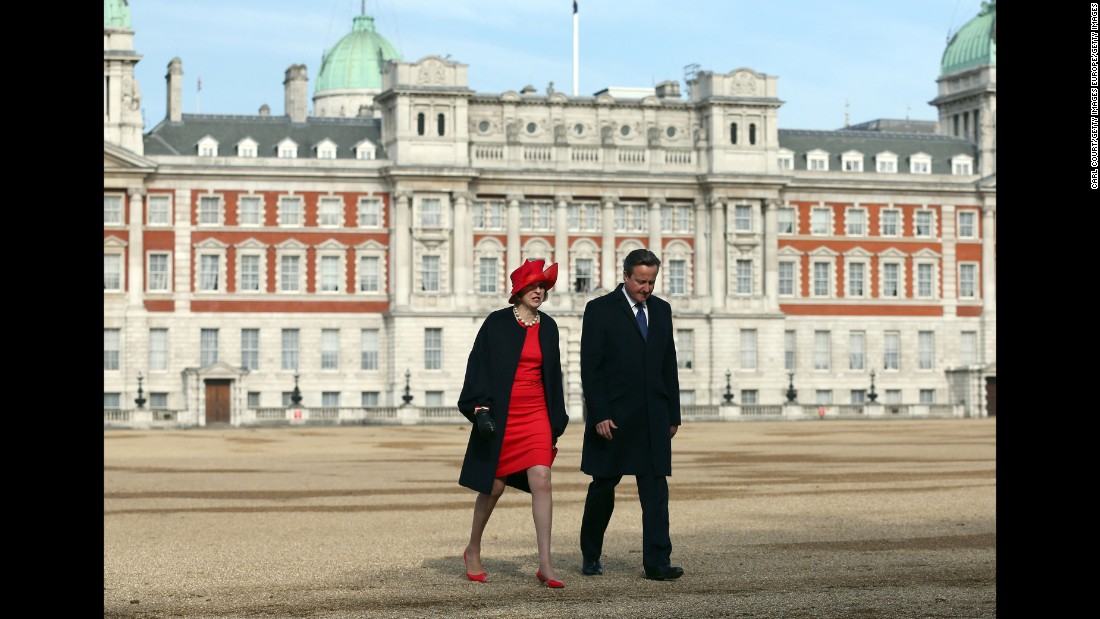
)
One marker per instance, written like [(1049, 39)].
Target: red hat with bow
[(531, 272)]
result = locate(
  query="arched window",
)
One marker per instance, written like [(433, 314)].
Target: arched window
[(752, 133), (420, 124), (440, 123), (733, 133)]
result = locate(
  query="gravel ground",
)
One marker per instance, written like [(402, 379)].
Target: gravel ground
[(770, 519)]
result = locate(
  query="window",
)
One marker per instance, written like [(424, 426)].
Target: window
[(247, 148), (253, 399), (892, 396), (786, 162), (925, 280), (685, 349), (158, 272), (968, 279), (487, 275), (430, 214), (365, 150), (111, 400), (742, 218), (160, 211), (112, 210), (490, 215), (208, 347), (752, 133), (677, 277), (785, 220), (926, 348), (535, 215), (749, 396), (823, 275), (968, 348), (851, 161), (330, 273), (330, 349), (891, 350), (331, 212), (430, 274), (330, 399), (583, 268), (368, 349), (822, 350), (112, 272), (891, 277), (748, 349), (207, 147), (433, 349), (891, 220), (433, 398), (158, 350), (250, 211), (858, 396), (744, 276), (857, 350), (290, 273), (289, 355), (111, 348), (287, 149), (290, 211), (250, 349), (886, 164), (370, 212), (856, 221), (857, 277), (786, 278), (158, 401), (209, 268), (927, 396), (961, 166), (687, 397), (789, 350), (823, 397), (326, 149), (440, 123), (968, 225), (817, 160), (923, 222), (630, 218), (210, 210), (733, 133), (420, 123), (369, 399), (250, 273), (675, 218), (920, 164), (370, 269), (819, 221)]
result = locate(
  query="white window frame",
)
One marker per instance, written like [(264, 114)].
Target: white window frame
[(926, 273), (430, 213), (886, 163), (926, 350), (584, 271), (433, 348), (330, 349), (114, 275), (817, 160), (292, 211), (742, 218), (431, 273), (924, 214), (490, 215), (677, 277), (891, 351), (369, 399), (898, 223), (785, 226), (290, 249), (855, 221), (325, 149), (851, 161), (968, 348), (790, 350), (744, 270), (750, 396), (584, 216), (250, 348), (250, 210), (816, 228), (211, 209), (207, 146), (208, 347), (685, 349), (816, 264), (330, 212), (968, 223), (857, 350), (369, 349), (158, 349), (366, 150), (248, 148), (210, 248), (290, 346), (327, 254), (962, 165), (112, 349), (748, 344), (251, 249), (968, 280), (369, 212), (793, 280), (286, 148), (895, 266), (160, 210), (370, 249), (920, 163), (114, 209), (785, 161), (165, 276), (857, 287), (823, 350)]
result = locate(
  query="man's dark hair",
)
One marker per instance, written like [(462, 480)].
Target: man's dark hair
[(643, 257)]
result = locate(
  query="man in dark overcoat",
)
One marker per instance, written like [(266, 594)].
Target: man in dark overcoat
[(632, 408)]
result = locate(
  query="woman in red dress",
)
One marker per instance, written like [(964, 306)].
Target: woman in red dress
[(513, 396)]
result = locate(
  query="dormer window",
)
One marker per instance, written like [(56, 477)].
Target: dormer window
[(920, 163), (817, 160), (247, 148), (962, 165), (325, 149), (886, 163), (287, 149), (365, 150), (852, 161), (786, 159), (207, 147)]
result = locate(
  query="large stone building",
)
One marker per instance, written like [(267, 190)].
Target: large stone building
[(353, 252)]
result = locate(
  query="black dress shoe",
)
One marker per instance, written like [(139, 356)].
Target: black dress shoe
[(668, 572), (592, 568)]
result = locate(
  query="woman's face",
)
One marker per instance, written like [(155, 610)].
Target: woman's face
[(533, 295)]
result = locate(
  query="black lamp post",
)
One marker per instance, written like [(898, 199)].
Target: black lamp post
[(791, 393), (871, 395), (728, 397), (296, 395), (140, 400), (408, 396)]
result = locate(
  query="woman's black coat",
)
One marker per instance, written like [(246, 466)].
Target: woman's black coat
[(490, 372)]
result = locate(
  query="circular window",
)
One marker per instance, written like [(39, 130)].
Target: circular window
[(531, 127), (625, 130), (483, 126), (671, 132), (578, 129)]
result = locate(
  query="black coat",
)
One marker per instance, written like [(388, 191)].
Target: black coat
[(490, 372), (632, 382)]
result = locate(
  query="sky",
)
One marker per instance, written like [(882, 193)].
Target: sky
[(836, 62)]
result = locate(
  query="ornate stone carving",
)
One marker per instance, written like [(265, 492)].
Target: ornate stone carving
[(432, 72), (745, 84)]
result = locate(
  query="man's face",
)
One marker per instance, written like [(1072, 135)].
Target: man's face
[(639, 285)]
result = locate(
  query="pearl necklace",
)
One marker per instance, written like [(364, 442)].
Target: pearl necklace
[(524, 322)]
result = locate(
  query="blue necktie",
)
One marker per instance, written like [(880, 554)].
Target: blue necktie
[(642, 324)]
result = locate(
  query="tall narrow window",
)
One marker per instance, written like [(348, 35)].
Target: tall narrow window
[(752, 133), (370, 212), (289, 350), (785, 220), (433, 349), (430, 214), (685, 348), (289, 273), (923, 220), (330, 273), (440, 122), (249, 211), (250, 349), (822, 278), (742, 218), (856, 278), (368, 349), (968, 278), (891, 276), (789, 350), (748, 349), (111, 348), (420, 123), (677, 276), (112, 272), (733, 133), (856, 221), (786, 278), (891, 219), (744, 276), (158, 272), (250, 273), (925, 274), (822, 350), (160, 211), (208, 347), (926, 349), (330, 349), (331, 212), (208, 272), (583, 282), (487, 275), (290, 211), (112, 210), (369, 273), (158, 350), (857, 350), (430, 275), (210, 210), (891, 350), (967, 225), (968, 348), (819, 221)]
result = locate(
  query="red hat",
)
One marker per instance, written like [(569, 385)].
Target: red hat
[(531, 273)]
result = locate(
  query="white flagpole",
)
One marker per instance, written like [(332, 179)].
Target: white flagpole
[(576, 71)]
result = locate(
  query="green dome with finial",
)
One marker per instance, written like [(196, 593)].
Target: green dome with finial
[(975, 44), (116, 14), (356, 60)]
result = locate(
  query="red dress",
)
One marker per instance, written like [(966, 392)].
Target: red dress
[(527, 441)]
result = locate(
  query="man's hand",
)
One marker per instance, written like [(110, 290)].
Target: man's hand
[(604, 428), (672, 431)]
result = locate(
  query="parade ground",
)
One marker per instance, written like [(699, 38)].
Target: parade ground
[(823, 518)]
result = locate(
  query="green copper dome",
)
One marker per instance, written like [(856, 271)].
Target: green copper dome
[(975, 44), (356, 60), (116, 14)]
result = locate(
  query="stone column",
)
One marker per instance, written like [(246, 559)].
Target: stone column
[(512, 251), (949, 261), (135, 269), (609, 275), (561, 239), (771, 253), (655, 236), (989, 281), (718, 267), (463, 259), (401, 266), (183, 253), (702, 257)]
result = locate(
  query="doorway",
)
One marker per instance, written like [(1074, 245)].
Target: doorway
[(217, 400)]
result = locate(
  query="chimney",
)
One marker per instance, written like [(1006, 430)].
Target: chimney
[(296, 89), (668, 90), (175, 90)]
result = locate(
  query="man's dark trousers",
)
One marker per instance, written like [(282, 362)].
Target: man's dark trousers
[(600, 503)]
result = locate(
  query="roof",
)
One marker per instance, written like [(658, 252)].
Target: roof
[(974, 45), (180, 138), (356, 60), (940, 147)]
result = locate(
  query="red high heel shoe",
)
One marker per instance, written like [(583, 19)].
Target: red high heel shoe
[(474, 577), (550, 582)]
